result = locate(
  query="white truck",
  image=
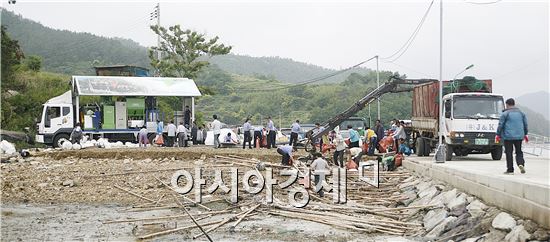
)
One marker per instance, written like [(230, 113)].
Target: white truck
[(123, 105), (471, 118)]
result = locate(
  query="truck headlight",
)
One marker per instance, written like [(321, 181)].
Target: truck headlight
[(461, 135)]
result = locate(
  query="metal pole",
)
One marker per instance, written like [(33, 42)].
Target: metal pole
[(158, 36), (378, 84), (440, 153)]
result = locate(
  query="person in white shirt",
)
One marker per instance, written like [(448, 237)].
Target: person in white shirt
[(246, 131), (271, 136), (142, 137), (182, 135), (399, 134), (171, 130), (356, 153), (294, 130), (318, 166), (216, 126), (340, 144)]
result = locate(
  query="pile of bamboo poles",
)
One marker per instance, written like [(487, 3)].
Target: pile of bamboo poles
[(369, 209)]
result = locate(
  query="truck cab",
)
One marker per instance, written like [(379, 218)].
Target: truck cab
[(57, 120), (471, 121)]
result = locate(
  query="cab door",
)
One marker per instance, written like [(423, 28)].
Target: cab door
[(57, 117)]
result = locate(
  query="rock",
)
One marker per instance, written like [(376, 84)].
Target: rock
[(126, 161), (494, 235), (422, 201), (13, 159), (461, 220), (408, 184), (445, 225), (470, 199), (457, 205), (429, 192), (147, 160), (34, 163), (433, 218), (476, 208), (43, 184), (410, 196), (541, 234), (68, 183), (530, 226), (449, 196), (438, 201), (518, 234), (504, 221), (423, 186)]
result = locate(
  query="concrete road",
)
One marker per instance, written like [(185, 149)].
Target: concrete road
[(537, 167)]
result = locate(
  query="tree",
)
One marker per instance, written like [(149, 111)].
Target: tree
[(34, 62), (11, 57), (182, 51)]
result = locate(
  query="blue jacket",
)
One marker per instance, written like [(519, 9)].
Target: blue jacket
[(512, 124)]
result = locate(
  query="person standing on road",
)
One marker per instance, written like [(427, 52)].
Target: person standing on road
[(379, 130), (272, 132), (319, 166), (216, 126), (372, 140), (171, 131), (246, 130), (294, 130), (187, 116), (512, 128), (182, 135), (353, 137), (194, 132)]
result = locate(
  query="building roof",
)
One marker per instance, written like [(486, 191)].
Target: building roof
[(134, 86)]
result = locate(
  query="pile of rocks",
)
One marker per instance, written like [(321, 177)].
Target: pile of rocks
[(457, 216)]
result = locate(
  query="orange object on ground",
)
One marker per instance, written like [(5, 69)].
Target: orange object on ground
[(398, 160), (351, 165), (385, 143), (365, 147)]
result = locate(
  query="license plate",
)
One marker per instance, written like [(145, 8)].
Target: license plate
[(482, 141)]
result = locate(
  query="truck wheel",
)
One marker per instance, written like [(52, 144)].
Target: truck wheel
[(59, 139), (496, 154), (427, 148), (420, 147), (151, 138), (449, 152)]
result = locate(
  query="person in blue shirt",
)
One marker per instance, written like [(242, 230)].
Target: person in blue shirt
[(294, 130), (247, 128), (404, 148), (353, 137), (512, 128), (286, 152)]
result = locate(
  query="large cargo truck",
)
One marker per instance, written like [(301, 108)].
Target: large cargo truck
[(123, 105), (471, 114)]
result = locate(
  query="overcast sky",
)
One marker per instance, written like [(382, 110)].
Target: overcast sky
[(506, 41)]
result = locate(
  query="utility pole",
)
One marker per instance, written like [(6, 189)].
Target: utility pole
[(158, 36), (378, 85), (441, 150)]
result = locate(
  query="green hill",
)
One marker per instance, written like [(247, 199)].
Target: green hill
[(75, 53)]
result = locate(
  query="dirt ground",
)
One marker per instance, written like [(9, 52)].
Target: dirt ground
[(72, 195)]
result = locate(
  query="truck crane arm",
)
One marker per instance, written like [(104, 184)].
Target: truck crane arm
[(391, 86)]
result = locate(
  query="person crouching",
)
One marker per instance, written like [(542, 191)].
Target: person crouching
[(286, 152)]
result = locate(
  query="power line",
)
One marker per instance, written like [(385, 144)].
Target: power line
[(483, 3), (409, 41), (316, 79), (520, 68), (410, 69)]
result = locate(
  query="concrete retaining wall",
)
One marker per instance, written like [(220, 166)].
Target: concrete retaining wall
[(525, 200)]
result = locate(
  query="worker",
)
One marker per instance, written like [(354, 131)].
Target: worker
[(258, 136), (187, 116), (160, 130), (319, 166), (371, 140), (294, 130), (379, 130), (200, 139), (272, 133), (246, 130), (512, 128), (355, 154), (353, 137), (142, 137), (194, 132), (216, 127), (228, 139), (286, 152), (393, 124), (76, 135), (404, 148), (182, 135), (399, 133), (319, 129), (340, 145), (171, 132)]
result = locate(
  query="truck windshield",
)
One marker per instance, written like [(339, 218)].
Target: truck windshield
[(477, 107)]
